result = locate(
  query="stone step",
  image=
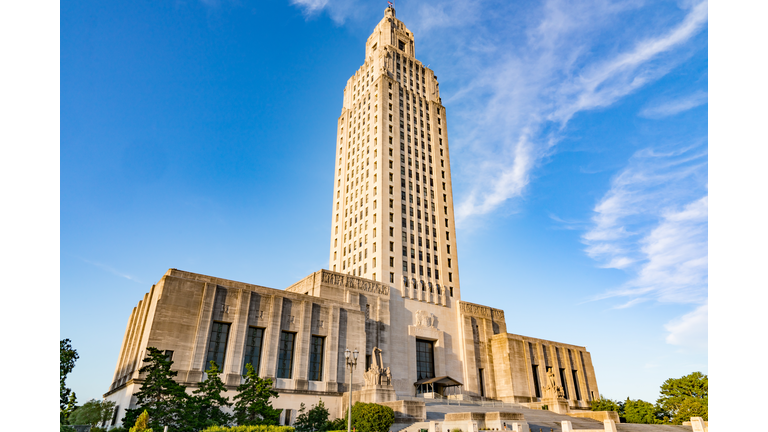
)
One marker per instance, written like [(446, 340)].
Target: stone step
[(415, 427)]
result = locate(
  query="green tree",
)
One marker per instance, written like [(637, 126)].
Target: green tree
[(92, 413), (605, 404), (141, 423), (640, 411), (208, 401), (316, 419), (252, 405), (67, 358), (164, 399), (691, 408), (681, 396)]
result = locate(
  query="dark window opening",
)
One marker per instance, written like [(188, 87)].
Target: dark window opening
[(425, 361), (253, 343), (285, 352), (217, 344), (316, 358), (565, 383), (481, 383), (576, 384), (535, 369)]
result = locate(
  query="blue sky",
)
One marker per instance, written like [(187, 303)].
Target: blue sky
[(199, 135)]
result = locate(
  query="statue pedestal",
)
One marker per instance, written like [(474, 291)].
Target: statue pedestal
[(556, 404), (377, 394)]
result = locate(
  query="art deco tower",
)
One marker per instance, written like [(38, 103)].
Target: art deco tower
[(392, 217)]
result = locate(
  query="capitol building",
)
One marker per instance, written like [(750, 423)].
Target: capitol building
[(391, 291)]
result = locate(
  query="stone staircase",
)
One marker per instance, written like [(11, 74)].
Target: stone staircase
[(414, 427), (538, 420)]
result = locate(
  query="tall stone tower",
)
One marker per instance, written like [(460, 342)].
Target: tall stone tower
[(392, 217)]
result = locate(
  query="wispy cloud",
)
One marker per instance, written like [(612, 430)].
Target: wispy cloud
[(690, 330), (310, 7), (339, 10), (653, 224), (515, 108), (652, 221), (675, 106), (111, 270)]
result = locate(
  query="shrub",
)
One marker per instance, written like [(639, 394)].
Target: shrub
[(372, 417), (141, 423), (251, 428), (340, 424)]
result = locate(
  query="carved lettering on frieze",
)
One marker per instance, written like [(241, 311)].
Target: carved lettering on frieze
[(483, 311), (355, 283)]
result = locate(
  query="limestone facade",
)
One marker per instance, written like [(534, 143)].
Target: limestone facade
[(393, 283)]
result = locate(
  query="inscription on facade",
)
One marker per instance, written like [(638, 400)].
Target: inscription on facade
[(355, 283), (483, 311)]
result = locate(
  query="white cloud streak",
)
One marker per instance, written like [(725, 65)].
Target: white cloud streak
[(690, 330), (112, 270), (338, 10), (675, 106), (641, 227), (521, 100)]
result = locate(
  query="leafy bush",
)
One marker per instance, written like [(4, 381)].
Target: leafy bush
[(340, 424), (372, 417), (65, 428), (251, 428), (314, 420)]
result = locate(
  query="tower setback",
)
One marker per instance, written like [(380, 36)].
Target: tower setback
[(392, 216)]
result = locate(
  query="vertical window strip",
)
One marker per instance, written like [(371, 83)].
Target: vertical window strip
[(285, 352), (253, 343), (316, 358), (217, 344)]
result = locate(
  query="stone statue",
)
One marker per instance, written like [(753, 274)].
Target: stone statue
[(553, 390), (377, 375)]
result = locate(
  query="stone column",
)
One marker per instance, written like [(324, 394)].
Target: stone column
[(332, 351), (301, 354), (272, 338), (234, 358), (195, 373)]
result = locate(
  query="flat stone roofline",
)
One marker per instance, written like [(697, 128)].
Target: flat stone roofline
[(197, 277), (537, 340), (213, 280)]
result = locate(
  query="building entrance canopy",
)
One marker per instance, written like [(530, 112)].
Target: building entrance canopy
[(437, 385)]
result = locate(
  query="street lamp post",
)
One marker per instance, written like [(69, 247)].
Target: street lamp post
[(351, 363)]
